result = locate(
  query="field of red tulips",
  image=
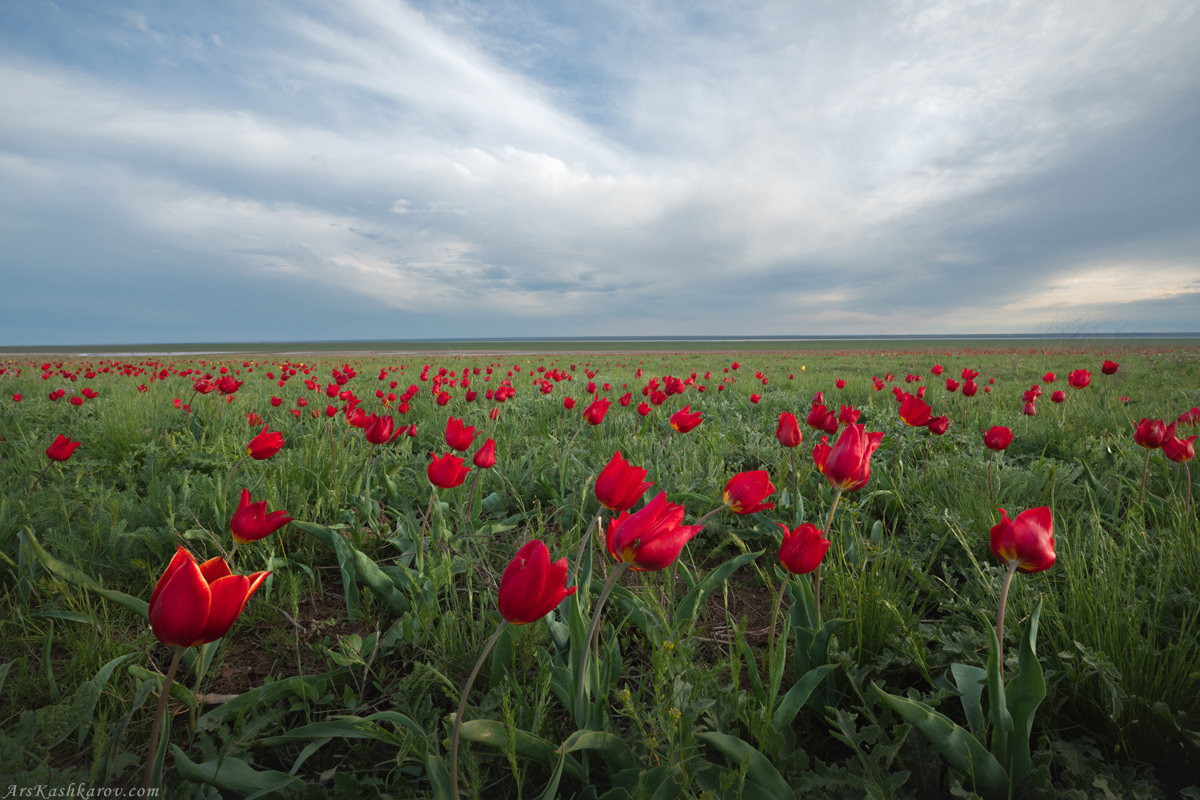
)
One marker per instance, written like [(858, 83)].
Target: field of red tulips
[(910, 573)]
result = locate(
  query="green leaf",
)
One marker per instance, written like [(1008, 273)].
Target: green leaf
[(58, 721), (502, 657), (685, 611), (612, 748), (1001, 720), (493, 733), (759, 769), (351, 727), (798, 695), (69, 616), (961, 749), (178, 690), (439, 777), (1025, 694), (72, 575), (233, 775), (969, 681)]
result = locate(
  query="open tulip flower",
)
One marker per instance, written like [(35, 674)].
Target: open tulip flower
[(684, 419), (251, 521), (803, 549), (938, 425), (745, 491), (821, 418), (594, 413), (447, 471), (1153, 433), (61, 448), (1025, 544), (459, 436), (620, 484), (1179, 450), (194, 604), (915, 412), (265, 445), (849, 414), (1079, 379), (652, 538)]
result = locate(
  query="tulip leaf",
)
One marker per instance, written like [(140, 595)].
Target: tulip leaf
[(961, 749), (356, 567), (502, 656), (493, 733), (178, 690), (612, 748), (686, 610), (997, 706), (969, 681), (759, 769), (1025, 694), (69, 616), (798, 695), (231, 774), (439, 777), (756, 684), (59, 720), (708, 778), (72, 575), (350, 727)]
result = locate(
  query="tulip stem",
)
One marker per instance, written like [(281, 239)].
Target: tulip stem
[(158, 715), (462, 705), (774, 622), (471, 495), (424, 523), (228, 480), (704, 519), (1145, 467), (584, 542), (38, 478), (562, 472), (795, 489), (1012, 568), (593, 630), (991, 494), (817, 580)]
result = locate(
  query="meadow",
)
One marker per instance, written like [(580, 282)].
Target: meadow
[(344, 671)]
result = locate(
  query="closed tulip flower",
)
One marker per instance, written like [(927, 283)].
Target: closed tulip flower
[(568, 403), (643, 408), (1049, 377), (951, 385), (1030, 409), (685, 420), (821, 453), (969, 388), (485, 457), (251, 521), (938, 425), (447, 472), (265, 445), (1179, 450), (803, 549), (746, 490), (594, 413), (914, 411), (998, 438), (1153, 433), (382, 430), (1026, 542), (1110, 367), (1079, 379), (620, 484), (61, 448), (652, 538), (788, 430), (848, 465), (532, 586), (1058, 397), (196, 604), (459, 436)]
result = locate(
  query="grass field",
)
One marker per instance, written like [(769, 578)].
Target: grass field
[(342, 675)]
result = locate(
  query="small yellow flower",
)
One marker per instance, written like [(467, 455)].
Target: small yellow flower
[(670, 646), (675, 714), (623, 695)]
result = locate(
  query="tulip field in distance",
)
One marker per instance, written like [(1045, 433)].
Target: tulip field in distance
[(787, 584)]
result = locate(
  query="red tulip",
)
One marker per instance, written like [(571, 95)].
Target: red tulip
[(969, 388), (1030, 409), (821, 453), (61, 448), (937, 370), (684, 420), (652, 538), (839, 383), (204, 386), (1048, 377), (998, 438), (251, 521), (594, 413), (568, 403), (1179, 450), (459, 436), (447, 471), (643, 409), (331, 411), (443, 398), (1027, 541), (802, 549), (197, 604), (951, 385), (1079, 378), (969, 374), (1153, 433), (620, 485), (358, 418), (788, 430), (1110, 367), (915, 412), (531, 586), (76, 400), (822, 419), (265, 445), (625, 398), (485, 457), (849, 415), (16, 397), (381, 430), (754, 398), (938, 425), (745, 491), (1058, 397), (848, 465)]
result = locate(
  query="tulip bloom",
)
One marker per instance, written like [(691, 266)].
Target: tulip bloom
[(1030, 409), (643, 408), (485, 457), (594, 413), (745, 491), (803, 549), (568, 403), (839, 383), (849, 414), (381, 430), (822, 419), (998, 438), (197, 604), (951, 385), (1027, 542), (915, 412), (684, 419), (652, 538), (61, 448), (1079, 379), (1179, 450), (938, 425), (531, 586), (459, 436), (937, 370), (969, 388), (1110, 367), (620, 484), (447, 472), (848, 464), (788, 430), (265, 445), (1153, 433), (251, 521), (820, 453)]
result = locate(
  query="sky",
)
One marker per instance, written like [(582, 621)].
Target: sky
[(379, 169)]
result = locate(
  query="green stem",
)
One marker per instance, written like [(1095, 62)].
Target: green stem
[(1145, 467), (991, 494), (774, 622), (158, 715), (471, 495), (795, 489), (228, 480), (39, 477), (1012, 568), (584, 542), (593, 630), (562, 471), (817, 581), (424, 523), (462, 706)]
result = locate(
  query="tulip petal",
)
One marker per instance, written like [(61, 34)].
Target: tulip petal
[(180, 610), (214, 569), (181, 555)]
